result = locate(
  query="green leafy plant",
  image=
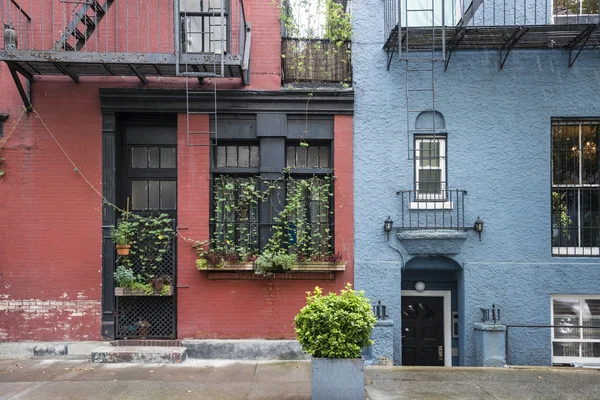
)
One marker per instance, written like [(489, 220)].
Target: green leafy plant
[(124, 276), (125, 231), (560, 215), (267, 263), (335, 326)]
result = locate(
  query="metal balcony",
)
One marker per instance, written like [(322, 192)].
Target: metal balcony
[(74, 38), (425, 210), (492, 24)]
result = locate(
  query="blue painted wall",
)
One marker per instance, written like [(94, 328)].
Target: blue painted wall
[(498, 125)]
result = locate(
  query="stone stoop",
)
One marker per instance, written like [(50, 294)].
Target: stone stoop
[(139, 354)]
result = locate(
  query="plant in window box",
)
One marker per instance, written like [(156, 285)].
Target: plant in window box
[(269, 262), (333, 329), (219, 259), (320, 262), (123, 235), (130, 284)]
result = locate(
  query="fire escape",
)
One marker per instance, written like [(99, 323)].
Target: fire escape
[(154, 38)]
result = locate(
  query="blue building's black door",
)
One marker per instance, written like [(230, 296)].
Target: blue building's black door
[(422, 330)]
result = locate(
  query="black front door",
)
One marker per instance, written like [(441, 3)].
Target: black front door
[(422, 330), (149, 188)]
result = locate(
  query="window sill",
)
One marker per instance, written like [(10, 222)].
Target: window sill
[(297, 267), (576, 251), (431, 205)]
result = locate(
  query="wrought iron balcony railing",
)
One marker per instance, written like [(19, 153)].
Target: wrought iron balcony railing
[(440, 210)]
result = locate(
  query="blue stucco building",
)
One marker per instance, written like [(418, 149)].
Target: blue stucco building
[(508, 136)]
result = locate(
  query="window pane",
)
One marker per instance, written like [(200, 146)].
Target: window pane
[(313, 157), (590, 217), (153, 195), (565, 154), (168, 195), (153, 157), (291, 156), (566, 316), (591, 317), (324, 157), (221, 156), (589, 168), (300, 157), (139, 157), (244, 156), (168, 157), (139, 195), (565, 349), (254, 157), (232, 156), (430, 153), (430, 181), (564, 218), (590, 349)]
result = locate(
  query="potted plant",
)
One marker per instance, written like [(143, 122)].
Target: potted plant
[(123, 235), (333, 329)]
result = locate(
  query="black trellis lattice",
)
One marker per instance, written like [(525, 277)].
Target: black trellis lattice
[(149, 316)]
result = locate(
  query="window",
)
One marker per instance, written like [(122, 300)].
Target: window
[(204, 25), (569, 343), (430, 168), (575, 201), (294, 209)]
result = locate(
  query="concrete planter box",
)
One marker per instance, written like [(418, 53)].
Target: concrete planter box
[(120, 291), (338, 379)]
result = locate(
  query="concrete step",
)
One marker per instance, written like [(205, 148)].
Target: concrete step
[(139, 354)]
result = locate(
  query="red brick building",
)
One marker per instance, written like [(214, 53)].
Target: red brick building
[(78, 111)]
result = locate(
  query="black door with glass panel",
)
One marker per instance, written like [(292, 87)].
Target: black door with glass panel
[(422, 330), (149, 188)]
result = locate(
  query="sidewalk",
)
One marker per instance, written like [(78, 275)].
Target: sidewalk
[(197, 379)]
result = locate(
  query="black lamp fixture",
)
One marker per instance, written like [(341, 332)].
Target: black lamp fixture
[(478, 226), (387, 227)]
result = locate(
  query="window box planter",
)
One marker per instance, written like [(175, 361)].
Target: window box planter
[(319, 267), (229, 266), (121, 291), (298, 267)]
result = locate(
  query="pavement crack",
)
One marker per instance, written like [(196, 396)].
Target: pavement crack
[(478, 385), (251, 382)]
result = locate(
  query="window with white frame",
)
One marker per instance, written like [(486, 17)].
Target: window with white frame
[(575, 201), (571, 344), (430, 168)]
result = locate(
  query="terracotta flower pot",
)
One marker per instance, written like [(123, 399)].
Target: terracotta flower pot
[(123, 249)]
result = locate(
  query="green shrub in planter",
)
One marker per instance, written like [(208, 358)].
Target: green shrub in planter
[(335, 326)]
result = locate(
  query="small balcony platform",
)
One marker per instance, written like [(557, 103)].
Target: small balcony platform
[(497, 37), (49, 62)]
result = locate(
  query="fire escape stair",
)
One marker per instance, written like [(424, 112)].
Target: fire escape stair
[(84, 20)]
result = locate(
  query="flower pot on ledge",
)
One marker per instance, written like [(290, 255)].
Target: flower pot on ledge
[(123, 249), (122, 291)]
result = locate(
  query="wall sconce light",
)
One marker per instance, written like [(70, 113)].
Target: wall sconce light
[(387, 227), (478, 226), (419, 286)]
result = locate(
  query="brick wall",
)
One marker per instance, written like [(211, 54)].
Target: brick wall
[(50, 219), (246, 308)]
